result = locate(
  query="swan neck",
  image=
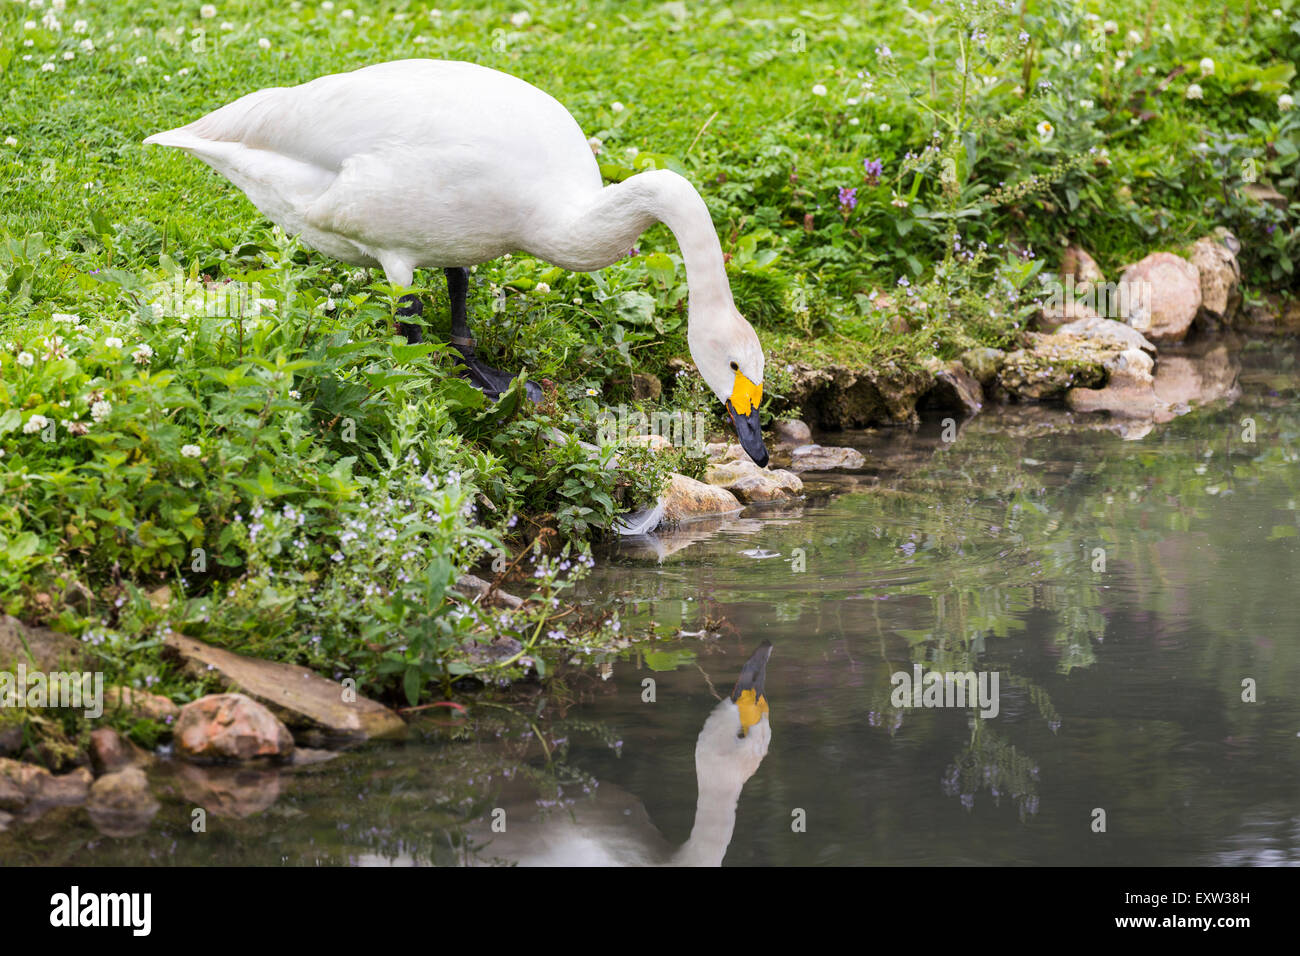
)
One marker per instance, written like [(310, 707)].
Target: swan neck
[(683, 211)]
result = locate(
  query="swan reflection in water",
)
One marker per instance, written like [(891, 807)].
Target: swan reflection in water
[(613, 828)]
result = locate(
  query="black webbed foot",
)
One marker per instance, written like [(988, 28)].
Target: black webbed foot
[(411, 306), (490, 381)]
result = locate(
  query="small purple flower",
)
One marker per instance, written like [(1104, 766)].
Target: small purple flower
[(874, 169), (848, 200)]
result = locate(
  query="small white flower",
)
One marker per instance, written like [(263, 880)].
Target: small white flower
[(69, 55), (1207, 67), (327, 6), (347, 13), (1110, 26), (818, 90), (616, 106), (29, 43), (1086, 104), (191, 451), (520, 18), (142, 354), (207, 11), (141, 60), (1134, 38), (112, 342), (591, 393), (66, 318), (330, 305), (595, 143), (420, 40), (336, 288), (227, 26), (59, 5), (29, 25), (10, 141), (884, 127), (100, 410), (1285, 102), (631, 152), (295, 394), (26, 359), (853, 121), (264, 43), (543, 288), (1194, 91), (88, 45), (80, 26), (47, 67), (35, 424), (183, 71)]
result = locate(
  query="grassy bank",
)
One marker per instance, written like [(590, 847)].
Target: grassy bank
[(190, 400)]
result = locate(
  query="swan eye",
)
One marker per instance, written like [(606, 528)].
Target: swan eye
[(735, 367)]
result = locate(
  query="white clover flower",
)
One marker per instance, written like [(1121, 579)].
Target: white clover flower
[(1134, 38), (347, 13), (100, 410), (183, 71), (1110, 26), (80, 26), (264, 43), (191, 451), (818, 90), (69, 55), (142, 354), (420, 40), (88, 45), (227, 26), (141, 60), (35, 424), (1086, 104), (29, 43), (1285, 102), (66, 318), (1207, 66), (1194, 91), (207, 11), (520, 18), (59, 5), (595, 143), (112, 342), (330, 305), (616, 106), (853, 121), (47, 67), (543, 288), (10, 141), (26, 359), (29, 25), (884, 127)]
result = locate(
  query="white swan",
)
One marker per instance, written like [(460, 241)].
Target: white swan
[(436, 163), (613, 828)]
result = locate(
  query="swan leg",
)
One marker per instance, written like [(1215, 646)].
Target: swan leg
[(488, 380), (410, 306)]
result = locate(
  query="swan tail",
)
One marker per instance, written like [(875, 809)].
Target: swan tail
[(237, 122)]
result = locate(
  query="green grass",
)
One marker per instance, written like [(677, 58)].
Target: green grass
[(772, 113)]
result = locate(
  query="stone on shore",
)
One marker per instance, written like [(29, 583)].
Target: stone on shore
[(1109, 332), (48, 648), (223, 727), (686, 499), (298, 696), (121, 804), (141, 703), (825, 458), (752, 484), (791, 432), (29, 790), (1220, 276), (1160, 296), (111, 752)]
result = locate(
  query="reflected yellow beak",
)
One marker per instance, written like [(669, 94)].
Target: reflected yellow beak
[(745, 395), (753, 707)]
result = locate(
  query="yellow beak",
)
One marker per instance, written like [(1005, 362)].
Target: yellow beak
[(745, 395)]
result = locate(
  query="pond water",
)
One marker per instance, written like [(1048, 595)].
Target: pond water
[(1122, 590)]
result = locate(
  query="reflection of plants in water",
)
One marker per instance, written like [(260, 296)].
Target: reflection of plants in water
[(991, 763)]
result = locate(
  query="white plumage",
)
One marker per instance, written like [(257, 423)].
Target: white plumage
[(434, 163)]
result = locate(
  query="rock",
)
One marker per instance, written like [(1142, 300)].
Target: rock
[(30, 790), (647, 387), (1054, 315), (1075, 262), (1054, 364), (838, 397), (1220, 277), (11, 741), (722, 451), (954, 388), (160, 597), (653, 442), (983, 363), (752, 484), (1108, 332), (79, 598), (791, 432), (121, 803), (298, 696), (48, 648), (473, 586), (686, 499), (1160, 296), (1192, 379), (110, 752), (1128, 391), (230, 727), (824, 458), (499, 648), (141, 704), (1264, 193), (230, 792)]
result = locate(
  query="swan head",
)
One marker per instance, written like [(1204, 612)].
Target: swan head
[(730, 359), (736, 735)]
